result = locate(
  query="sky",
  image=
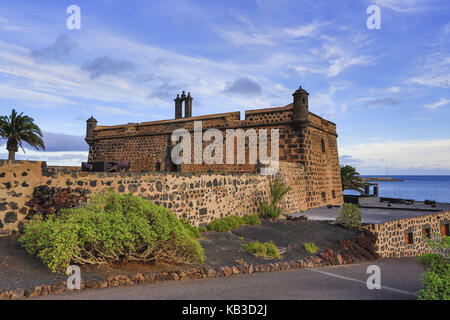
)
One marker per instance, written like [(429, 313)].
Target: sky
[(386, 89)]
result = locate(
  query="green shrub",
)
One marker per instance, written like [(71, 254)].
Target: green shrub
[(436, 279), (432, 261), (264, 250), (192, 230), (111, 228), (435, 285), (203, 229), (349, 215), (226, 224), (311, 247), (277, 191), (251, 219), (233, 222), (269, 211)]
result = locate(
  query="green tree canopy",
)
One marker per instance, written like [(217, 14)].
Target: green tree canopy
[(351, 179), (17, 129)]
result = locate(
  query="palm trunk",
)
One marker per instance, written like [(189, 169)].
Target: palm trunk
[(12, 155)]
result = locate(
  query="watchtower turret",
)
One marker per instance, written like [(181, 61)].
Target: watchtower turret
[(300, 109)]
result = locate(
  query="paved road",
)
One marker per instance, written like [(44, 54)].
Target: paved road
[(400, 279)]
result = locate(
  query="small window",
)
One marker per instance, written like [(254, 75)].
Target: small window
[(158, 166), (323, 145), (333, 194), (409, 238), (445, 229), (324, 196), (426, 233)]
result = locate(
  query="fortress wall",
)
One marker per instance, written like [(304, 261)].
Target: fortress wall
[(198, 197)]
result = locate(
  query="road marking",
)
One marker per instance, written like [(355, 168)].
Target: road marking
[(360, 281)]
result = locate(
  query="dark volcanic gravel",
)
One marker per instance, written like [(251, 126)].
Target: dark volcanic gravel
[(20, 270), (224, 248)]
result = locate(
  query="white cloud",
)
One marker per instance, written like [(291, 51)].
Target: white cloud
[(429, 154), (240, 38), (440, 103), (402, 6), (59, 158), (6, 25), (304, 31), (341, 59)]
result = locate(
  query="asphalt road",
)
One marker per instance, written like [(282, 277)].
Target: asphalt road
[(400, 280)]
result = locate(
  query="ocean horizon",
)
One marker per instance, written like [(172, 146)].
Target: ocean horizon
[(415, 187)]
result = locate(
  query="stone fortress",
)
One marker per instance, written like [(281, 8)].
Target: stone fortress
[(200, 193), (305, 139)]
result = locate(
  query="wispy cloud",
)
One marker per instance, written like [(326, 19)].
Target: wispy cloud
[(381, 101), (440, 103), (403, 6), (6, 25)]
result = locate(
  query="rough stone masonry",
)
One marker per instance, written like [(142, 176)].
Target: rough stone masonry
[(304, 139)]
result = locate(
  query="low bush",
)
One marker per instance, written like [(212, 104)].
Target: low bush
[(311, 247), (251, 219), (225, 224), (436, 279), (192, 230), (269, 211), (264, 250), (112, 228), (349, 215), (203, 229), (233, 222)]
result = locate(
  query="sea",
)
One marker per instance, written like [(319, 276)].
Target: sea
[(417, 188)]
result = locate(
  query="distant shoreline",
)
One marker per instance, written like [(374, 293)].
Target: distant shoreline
[(381, 179)]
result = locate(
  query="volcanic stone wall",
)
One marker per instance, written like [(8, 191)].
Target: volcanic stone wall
[(198, 197), (313, 146), (407, 237)]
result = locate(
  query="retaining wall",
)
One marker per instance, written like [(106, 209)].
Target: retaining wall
[(198, 197)]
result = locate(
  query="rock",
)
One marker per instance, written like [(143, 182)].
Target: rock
[(212, 273), (58, 288), (34, 293), (124, 280), (240, 262), (183, 275), (92, 284), (113, 282), (235, 270), (149, 277), (227, 271), (339, 259), (45, 290), (139, 278), (173, 276), (5, 295)]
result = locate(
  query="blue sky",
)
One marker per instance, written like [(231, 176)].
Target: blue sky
[(387, 90)]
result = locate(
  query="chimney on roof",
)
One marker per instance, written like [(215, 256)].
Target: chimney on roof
[(188, 106), (178, 107)]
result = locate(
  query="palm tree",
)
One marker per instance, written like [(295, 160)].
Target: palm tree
[(351, 179), (18, 128)]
